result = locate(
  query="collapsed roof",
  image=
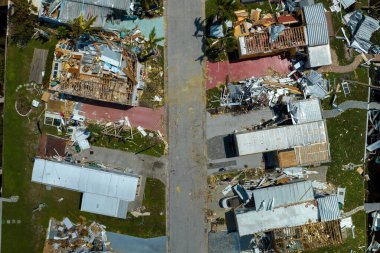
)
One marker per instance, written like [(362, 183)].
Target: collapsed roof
[(259, 42), (98, 69), (361, 28)]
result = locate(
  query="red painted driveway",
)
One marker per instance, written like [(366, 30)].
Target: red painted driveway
[(138, 116), (237, 71)]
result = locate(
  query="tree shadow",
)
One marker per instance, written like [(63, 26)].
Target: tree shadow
[(199, 32)]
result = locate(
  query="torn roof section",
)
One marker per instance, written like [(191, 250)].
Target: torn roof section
[(361, 28), (347, 3), (259, 43), (328, 208), (99, 69)]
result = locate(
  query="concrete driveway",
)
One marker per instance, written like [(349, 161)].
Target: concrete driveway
[(144, 165), (141, 165), (228, 123)]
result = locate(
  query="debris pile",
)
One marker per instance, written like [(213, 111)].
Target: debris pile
[(67, 237), (361, 28), (258, 92)]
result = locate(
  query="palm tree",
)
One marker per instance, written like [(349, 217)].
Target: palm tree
[(147, 3), (225, 10), (80, 26), (153, 42), (215, 47), (22, 22)]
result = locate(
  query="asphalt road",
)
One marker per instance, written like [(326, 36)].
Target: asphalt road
[(187, 170)]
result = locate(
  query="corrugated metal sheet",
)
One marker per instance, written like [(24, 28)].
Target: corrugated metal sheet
[(82, 179), (316, 85), (304, 3), (361, 27), (347, 3), (284, 194), (316, 25), (250, 222), (114, 4), (280, 138), (304, 111), (71, 10), (328, 208), (104, 192)]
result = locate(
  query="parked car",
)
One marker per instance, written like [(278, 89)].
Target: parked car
[(241, 193), (230, 202)]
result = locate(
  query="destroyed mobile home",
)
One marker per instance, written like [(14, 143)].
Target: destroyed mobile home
[(65, 237), (296, 29), (361, 28), (271, 91), (100, 68), (290, 212)]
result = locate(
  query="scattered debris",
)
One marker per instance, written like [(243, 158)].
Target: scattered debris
[(67, 237), (361, 28)]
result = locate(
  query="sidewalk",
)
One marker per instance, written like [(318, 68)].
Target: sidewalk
[(237, 71)]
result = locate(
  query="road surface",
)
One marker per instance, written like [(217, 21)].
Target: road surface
[(187, 169)]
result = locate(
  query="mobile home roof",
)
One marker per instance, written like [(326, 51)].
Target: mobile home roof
[(86, 180), (281, 138)]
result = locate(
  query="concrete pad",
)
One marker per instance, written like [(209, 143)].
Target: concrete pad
[(237, 71), (152, 119)]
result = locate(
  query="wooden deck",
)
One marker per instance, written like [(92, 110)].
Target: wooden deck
[(38, 65)]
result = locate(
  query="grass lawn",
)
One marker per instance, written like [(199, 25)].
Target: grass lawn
[(347, 137), (357, 92), (20, 142), (212, 6), (154, 83), (153, 146), (213, 97)]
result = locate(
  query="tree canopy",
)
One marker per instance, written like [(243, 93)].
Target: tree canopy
[(22, 21)]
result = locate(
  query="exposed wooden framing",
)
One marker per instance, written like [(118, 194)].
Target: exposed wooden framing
[(258, 42), (307, 237), (105, 89)]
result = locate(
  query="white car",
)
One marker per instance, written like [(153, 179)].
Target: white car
[(230, 202)]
